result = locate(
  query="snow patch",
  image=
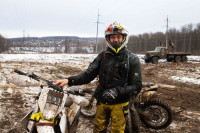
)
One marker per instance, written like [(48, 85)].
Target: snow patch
[(186, 79), (9, 90)]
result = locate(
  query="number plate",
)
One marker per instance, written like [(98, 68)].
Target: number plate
[(54, 97)]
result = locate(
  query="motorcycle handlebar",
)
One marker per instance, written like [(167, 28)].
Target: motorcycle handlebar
[(20, 72), (34, 76)]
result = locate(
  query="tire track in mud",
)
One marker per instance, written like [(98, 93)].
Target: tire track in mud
[(12, 110), (16, 102), (183, 98)]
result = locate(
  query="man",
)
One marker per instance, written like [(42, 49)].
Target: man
[(119, 78)]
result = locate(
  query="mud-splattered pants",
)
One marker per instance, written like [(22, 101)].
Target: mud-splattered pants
[(118, 114)]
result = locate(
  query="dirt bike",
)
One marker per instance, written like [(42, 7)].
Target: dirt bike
[(49, 114), (153, 113)]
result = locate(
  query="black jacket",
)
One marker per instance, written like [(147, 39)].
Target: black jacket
[(121, 71)]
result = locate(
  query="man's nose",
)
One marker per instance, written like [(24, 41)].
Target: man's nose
[(115, 39)]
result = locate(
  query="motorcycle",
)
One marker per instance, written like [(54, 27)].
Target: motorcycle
[(55, 111), (154, 113)]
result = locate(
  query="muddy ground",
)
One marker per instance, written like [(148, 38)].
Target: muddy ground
[(183, 98)]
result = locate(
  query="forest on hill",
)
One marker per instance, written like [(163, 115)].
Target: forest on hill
[(186, 39)]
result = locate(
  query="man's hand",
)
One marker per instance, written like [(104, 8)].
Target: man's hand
[(62, 83), (109, 95)]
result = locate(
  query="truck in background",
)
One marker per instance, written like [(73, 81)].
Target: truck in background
[(163, 53)]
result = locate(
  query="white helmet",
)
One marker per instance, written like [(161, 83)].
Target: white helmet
[(116, 28)]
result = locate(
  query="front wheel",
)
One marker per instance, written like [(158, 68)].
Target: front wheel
[(154, 60), (157, 114)]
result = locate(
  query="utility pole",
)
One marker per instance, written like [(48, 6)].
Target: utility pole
[(5, 41), (97, 31), (167, 34), (23, 44)]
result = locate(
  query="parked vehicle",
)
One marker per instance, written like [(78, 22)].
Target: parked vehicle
[(163, 53), (49, 114), (154, 113)]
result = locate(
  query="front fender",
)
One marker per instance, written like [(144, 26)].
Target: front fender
[(28, 124), (146, 94)]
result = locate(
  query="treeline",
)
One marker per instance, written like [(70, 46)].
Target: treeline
[(186, 39), (4, 44)]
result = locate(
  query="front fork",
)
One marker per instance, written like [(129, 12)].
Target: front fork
[(27, 123)]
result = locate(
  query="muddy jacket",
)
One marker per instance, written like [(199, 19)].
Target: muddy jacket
[(121, 71)]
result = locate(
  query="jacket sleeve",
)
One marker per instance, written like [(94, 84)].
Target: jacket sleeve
[(87, 76), (134, 78)]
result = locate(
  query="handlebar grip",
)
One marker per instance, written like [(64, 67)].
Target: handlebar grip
[(20, 72)]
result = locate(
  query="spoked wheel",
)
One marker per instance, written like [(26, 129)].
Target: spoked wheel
[(90, 110), (158, 115)]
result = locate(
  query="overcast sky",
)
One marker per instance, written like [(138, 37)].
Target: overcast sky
[(78, 17)]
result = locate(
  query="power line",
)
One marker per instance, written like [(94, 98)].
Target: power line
[(97, 30), (87, 24)]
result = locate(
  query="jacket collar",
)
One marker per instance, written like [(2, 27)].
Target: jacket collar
[(110, 51)]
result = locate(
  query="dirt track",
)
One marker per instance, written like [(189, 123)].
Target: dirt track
[(182, 97)]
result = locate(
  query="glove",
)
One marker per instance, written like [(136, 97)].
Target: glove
[(109, 95)]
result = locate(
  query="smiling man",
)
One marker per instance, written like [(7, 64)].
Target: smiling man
[(119, 79)]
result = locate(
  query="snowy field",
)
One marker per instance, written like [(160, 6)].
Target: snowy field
[(17, 93), (59, 58), (82, 61)]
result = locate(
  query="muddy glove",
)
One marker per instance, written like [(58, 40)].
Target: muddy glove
[(110, 95)]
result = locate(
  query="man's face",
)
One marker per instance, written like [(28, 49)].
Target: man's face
[(116, 38)]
